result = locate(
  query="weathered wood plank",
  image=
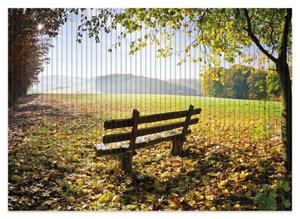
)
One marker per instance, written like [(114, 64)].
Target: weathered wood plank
[(134, 130), (158, 140), (166, 116), (165, 127), (178, 143), (121, 123), (140, 145), (126, 161), (111, 151), (146, 131), (116, 137), (187, 120), (118, 123)]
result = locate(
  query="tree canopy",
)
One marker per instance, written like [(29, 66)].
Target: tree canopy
[(215, 31)]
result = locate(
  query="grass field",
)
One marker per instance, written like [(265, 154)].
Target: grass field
[(261, 115), (169, 102), (231, 154)]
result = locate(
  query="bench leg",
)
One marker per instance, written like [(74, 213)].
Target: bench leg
[(126, 161), (176, 147)]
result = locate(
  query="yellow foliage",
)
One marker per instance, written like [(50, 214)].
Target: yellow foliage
[(208, 203), (222, 183), (225, 192), (213, 208), (80, 182), (210, 197), (237, 206)]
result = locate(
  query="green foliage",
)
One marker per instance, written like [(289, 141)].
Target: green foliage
[(212, 82), (273, 197), (266, 199), (273, 85), (218, 31), (240, 82), (235, 82), (257, 86)]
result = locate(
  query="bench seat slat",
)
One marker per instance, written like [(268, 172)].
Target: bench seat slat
[(146, 131), (111, 151), (139, 145), (121, 123), (166, 116), (159, 140)]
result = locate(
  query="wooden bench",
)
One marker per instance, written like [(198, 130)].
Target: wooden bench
[(145, 135)]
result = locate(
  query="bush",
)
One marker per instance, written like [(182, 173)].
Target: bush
[(273, 197)]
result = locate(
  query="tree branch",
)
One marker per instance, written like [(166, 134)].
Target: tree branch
[(255, 39), (202, 16)]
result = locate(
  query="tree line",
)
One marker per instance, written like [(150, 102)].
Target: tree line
[(29, 39), (241, 82)]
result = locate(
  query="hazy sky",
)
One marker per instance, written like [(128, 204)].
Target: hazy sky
[(90, 59)]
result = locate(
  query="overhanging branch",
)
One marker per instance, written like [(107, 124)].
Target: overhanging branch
[(255, 39)]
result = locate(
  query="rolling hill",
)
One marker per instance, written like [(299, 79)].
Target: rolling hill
[(128, 83), (116, 83)]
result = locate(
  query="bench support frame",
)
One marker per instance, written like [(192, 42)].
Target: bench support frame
[(177, 146), (126, 155), (126, 158), (126, 161)]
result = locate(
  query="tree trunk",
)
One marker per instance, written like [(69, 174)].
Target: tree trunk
[(286, 126), (285, 80), (286, 90)]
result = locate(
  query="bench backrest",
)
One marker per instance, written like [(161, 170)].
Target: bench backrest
[(137, 119)]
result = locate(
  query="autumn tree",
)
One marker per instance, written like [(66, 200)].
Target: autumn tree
[(29, 34)]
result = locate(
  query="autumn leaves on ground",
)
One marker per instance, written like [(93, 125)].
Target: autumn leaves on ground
[(236, 164)]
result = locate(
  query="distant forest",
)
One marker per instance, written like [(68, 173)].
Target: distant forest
[(240, 82)]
